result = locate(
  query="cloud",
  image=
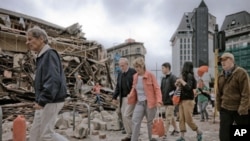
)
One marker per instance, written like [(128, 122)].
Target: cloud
[(111, 22)]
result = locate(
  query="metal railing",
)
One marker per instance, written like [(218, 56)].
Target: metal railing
[(74, 110), (1, 122)]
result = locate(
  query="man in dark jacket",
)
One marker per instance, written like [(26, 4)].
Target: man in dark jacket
[(233, 96), (50, 86), (123, 88), (167, 89)]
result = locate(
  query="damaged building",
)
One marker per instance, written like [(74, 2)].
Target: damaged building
[(79, 57)]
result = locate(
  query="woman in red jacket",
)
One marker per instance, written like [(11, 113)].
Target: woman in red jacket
[(146, 95)]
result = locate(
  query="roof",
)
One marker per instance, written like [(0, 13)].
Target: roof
[(236, 20), (123, 45), (185, 24), (202, 4), (16, 14)]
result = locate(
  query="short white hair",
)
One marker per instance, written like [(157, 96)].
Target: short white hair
[(123, 60), (37, 32)]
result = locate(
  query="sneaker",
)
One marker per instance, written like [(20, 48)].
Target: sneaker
[(174, 133), (153, 139), (199, 136), (164, 137), (202, 120), (180, 139)]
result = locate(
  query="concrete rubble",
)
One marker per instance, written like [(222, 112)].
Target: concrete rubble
[(79, 56), (99, 122)]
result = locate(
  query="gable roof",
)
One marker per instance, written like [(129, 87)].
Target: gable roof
[(236, 20)]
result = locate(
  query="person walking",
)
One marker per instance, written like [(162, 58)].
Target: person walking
[(188, 84), (167, 89), (202, 90), (50, 86), (232, 98), (146, 96), (123, 87)]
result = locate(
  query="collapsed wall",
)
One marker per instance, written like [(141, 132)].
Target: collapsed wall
[(79, 57)]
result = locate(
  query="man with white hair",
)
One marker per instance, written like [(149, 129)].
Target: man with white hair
[(123, 88), (50, 87), (233, 96)]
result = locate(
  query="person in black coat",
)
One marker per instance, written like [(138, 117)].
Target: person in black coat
[(188, 84), (167, 88), (123, 88), (49, 84)]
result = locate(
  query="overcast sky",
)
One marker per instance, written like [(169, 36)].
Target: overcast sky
[(111, 22)]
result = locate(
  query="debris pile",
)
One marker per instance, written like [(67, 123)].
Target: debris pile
[(79, 57)]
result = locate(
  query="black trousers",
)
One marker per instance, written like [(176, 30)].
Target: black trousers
[(227, 118), (195, 110)]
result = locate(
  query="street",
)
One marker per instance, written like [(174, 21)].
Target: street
[(209, 128)]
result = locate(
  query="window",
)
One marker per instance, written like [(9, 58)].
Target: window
[(180, 40), (123, 53), (126, 51), (138, 50), (230, 46), (233, 22), (181, 46)]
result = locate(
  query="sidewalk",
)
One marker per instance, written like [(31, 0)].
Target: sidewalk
[(209, 128)]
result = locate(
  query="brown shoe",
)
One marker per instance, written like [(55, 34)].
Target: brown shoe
[(126, 139)]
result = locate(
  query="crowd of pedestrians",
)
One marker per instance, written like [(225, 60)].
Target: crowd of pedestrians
[(231, 100)]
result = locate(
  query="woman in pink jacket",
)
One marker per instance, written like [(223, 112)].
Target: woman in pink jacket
[(146, 95)]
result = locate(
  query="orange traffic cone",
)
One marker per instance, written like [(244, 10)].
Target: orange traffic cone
[(19, 128)]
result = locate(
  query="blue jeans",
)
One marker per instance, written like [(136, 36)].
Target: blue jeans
[(203, 109), (98, 99)]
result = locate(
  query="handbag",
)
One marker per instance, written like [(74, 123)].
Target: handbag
[(158, 125), (176, 96)]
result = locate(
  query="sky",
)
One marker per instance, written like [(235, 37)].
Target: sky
[(111, 22)]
